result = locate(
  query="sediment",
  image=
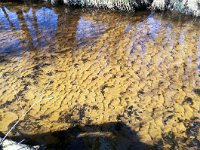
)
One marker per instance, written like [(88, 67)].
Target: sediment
[(94, 67)]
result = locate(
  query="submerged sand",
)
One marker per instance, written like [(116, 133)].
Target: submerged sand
[(85, 67)]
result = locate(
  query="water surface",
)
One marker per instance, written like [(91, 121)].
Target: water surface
[(90, 67)]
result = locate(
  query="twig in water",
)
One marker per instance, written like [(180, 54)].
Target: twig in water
[(23, 115), (21, 141)]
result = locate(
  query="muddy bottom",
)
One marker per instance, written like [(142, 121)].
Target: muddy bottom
[(99, 79)]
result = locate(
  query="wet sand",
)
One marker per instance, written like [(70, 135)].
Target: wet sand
[(90, 67)]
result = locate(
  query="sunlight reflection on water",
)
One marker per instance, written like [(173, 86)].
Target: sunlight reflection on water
[(101, 66)]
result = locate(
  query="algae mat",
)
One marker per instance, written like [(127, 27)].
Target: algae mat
[(95, 69)]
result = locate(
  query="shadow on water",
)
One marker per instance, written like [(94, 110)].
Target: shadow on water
[(42, 27), (112, 135)]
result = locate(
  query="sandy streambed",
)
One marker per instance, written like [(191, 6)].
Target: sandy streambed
[(99, 69)]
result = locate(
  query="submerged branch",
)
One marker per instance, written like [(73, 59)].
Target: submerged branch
[(23, 115)]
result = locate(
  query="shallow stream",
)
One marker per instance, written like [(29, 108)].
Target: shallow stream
[(99, 79)]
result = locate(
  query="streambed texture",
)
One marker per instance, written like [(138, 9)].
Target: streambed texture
[(90, 70)]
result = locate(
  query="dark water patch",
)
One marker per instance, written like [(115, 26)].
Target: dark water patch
[(197, 91), (8, 103), (188, 100), (75, 116), (168, 119), (3, 59), (193, 127)]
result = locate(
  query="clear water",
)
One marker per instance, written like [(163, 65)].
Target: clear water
[(127, 80)]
